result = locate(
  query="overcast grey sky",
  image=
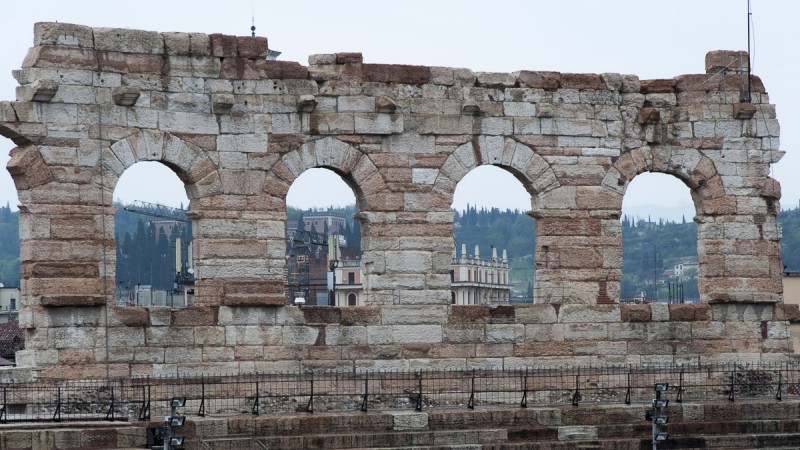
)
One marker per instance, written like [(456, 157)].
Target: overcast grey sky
[(649, 39)]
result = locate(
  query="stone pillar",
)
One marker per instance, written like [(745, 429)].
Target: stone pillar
[(68, 259), (407, 256), (239, 251), (740, 259), (578, 255)]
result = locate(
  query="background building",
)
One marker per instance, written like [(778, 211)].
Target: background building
[(9, 303), (473, 281), (791, 296), (324, 223), (476, 281)]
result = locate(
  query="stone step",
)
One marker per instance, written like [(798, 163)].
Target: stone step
[(490, 429), (449, 439), (442, 447), (760, 441), (763, 441), (228, 443)]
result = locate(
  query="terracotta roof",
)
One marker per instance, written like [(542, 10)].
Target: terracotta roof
[(12, 338)]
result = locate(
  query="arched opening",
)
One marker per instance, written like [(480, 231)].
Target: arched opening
[(323, 241), (659, 241), (153, 238), (494, 239)]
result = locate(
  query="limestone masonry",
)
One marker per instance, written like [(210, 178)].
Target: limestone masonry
[(239, 129)]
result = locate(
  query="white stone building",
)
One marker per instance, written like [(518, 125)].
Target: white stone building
[(476, 281), (9, 303)]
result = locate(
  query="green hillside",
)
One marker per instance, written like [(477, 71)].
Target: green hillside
[(9, 246)]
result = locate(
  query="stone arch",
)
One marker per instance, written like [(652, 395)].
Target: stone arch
[(518, 159), (699, 173), (689, 165), (190, 163), (355, 168), (533, 171)]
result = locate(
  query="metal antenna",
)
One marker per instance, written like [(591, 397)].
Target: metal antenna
[(749, 16), (253, 18)]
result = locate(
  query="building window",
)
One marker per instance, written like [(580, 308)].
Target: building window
[(351, 278), (352, 300), (13, 305), (452, 276), (452, 297)]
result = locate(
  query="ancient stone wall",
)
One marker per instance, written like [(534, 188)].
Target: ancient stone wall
[(238, 129)]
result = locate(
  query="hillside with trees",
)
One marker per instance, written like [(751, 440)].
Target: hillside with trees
[(790, 242), (650, 251), (146, 246), (9, 246)]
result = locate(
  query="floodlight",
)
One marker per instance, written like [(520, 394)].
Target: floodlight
[(178, 402), (177, 441), (660, 402), (177, 421), (661, 436), (661, 420), (661, 387)]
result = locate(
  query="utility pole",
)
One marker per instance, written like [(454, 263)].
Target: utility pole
[(655, 275)]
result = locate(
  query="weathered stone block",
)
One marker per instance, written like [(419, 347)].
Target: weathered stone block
[(128, 41), (729, 60), (252, 46), (368, 123), (689, 312), (585, 331), (170, 336), (224, 46), (300, 335), (55, 33), (635, 313), (396, 73), (542, 80), (505, 333), (50, 56), (397, 315), (589, 313)]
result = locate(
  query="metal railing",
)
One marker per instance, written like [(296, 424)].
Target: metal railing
[(225, 395)]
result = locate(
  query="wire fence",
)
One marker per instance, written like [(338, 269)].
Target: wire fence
[(142, 398)]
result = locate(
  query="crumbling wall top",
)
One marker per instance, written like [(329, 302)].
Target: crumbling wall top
[(243, 57)]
